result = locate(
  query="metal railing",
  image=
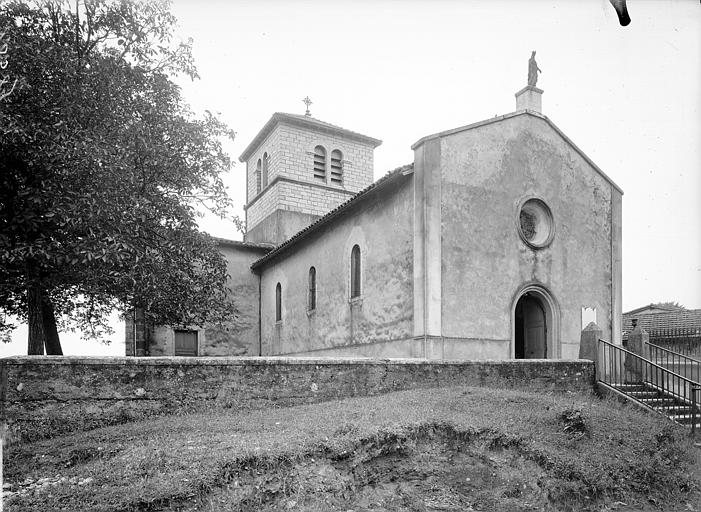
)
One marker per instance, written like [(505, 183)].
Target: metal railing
[(686, 341), (650, 384), (696, 393), (684, 365)]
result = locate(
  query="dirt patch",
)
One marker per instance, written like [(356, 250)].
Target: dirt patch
[(431, 469)]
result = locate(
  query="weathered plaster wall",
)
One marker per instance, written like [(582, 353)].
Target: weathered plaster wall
[(382, 226), (238, 337), (44, 397), (486, 172), (279, 226)]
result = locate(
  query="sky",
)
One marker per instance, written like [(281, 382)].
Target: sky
[(629, 97)]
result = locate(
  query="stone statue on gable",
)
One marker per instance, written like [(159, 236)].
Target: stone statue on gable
[(533, 70)]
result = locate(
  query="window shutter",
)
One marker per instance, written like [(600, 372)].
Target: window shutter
[(320, 163), (336, 166), (258, 171), (265, 169)]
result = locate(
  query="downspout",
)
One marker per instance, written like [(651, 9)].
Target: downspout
[(424, 234)]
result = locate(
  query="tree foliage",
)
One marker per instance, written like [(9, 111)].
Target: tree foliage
[(672, 304), (103, 170)]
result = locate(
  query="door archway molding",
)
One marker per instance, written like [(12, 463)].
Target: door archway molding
[(552, 318)]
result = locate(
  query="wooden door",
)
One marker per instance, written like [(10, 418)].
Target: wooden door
[(534, 330), (185, 343)]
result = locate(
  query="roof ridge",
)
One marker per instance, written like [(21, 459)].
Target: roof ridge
[(256, 245), (279, 117)]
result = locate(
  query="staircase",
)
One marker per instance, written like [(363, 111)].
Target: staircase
[(662, 402), (649, 384)]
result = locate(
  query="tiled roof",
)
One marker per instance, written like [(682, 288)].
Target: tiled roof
[(680, 319), (662, 307), (379, 184), (247, 245), (306, 122)]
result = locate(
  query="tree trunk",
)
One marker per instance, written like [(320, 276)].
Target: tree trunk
[(52, 342), (37, 334)]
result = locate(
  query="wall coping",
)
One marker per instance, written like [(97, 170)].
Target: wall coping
[(272, 361)]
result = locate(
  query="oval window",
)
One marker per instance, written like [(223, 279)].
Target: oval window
[(535, 223)]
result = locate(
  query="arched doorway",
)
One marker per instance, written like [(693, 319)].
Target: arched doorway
[(531, 328), (535, 324)]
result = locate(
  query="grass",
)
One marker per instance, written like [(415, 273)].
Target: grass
[(537, 450)]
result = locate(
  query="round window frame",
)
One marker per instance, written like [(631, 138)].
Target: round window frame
[(548, 215)]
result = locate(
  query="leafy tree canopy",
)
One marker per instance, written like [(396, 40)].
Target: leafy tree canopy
[(103, 169), (670, 304)]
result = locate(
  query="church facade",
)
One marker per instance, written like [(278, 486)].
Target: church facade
[(487, 246)]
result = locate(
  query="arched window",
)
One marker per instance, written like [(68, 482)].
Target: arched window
[(337, 166), (265, 169), (355, 271), (311, 298), (320, 163), (278, 302), (258, 168)]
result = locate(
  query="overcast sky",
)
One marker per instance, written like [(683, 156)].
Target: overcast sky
[(629, 97)]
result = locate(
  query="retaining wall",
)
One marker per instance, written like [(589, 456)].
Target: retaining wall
[(45, 396)]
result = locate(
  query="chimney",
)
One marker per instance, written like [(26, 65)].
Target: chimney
[(529, 98)]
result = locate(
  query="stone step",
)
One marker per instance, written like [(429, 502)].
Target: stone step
[(672, 408), (643, 395), (677, 416), (684, 419), (630, 388)]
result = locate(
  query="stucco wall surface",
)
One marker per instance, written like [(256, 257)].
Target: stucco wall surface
[(238, 337), (382, 226), (486, 172), (47, 396)]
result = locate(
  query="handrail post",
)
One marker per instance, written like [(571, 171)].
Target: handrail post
[(589, 346), (638, 344), (694, 401)]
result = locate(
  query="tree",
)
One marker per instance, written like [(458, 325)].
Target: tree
[(6, 84), (103, 171), (669, 304)]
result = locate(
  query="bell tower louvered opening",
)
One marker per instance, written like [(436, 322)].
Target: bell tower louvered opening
[(336, 167), (320, 163)]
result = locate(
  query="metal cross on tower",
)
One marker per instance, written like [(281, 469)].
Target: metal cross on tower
[(307, 102)]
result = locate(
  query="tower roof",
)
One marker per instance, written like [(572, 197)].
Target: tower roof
[(304, 122)]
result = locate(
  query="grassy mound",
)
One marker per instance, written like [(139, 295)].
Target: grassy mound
[(432, 449)]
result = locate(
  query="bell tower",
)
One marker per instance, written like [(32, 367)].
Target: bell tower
[(299, 168)]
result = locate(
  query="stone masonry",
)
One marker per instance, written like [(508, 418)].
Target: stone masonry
[(42, 397)]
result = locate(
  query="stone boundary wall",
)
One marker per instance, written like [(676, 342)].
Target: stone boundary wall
[(46, 396)]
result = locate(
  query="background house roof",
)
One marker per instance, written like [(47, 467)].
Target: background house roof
[(654, 308), (679, 319), (246, 245)]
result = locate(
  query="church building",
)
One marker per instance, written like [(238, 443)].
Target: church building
[(489, 245)]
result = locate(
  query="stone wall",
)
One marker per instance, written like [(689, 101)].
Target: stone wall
[(42, 397), (291, 155)]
